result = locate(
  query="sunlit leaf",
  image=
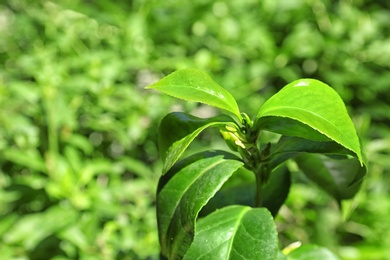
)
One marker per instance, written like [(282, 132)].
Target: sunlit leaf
[(235, 232), (195, 85), (310, 109)]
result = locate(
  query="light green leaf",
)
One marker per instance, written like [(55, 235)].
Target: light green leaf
[(177, 130), (235, 232), (76, 236), (309, 252), (195, 85), (31, 159), (340, 178), (310, 109), (182, 193), (26, 226)]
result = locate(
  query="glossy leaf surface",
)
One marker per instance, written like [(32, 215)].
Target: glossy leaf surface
[(195, 85), (183, 196), (177, 130), (340, 178), (235, 232), (311, 109)]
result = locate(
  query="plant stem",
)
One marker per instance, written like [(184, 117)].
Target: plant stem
[(259, 188)]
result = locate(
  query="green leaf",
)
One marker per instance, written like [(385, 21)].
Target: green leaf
[(288, 147), (274, 194), (309, 252), (310, 109), (340, 178), (235, 232), (242, 194), (186, 127), (276, 190), (281, 256), (191, 159), (195, 85), (291, 127), (31, 159), (76, 236), (182, 196), (26, 226)]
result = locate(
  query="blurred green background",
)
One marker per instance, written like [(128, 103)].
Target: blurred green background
[(79, 162)]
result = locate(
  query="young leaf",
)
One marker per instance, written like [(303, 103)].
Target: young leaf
[(181, 198), (195, 85), (177, 130), (235, 232), (313, 108), (340, 178)]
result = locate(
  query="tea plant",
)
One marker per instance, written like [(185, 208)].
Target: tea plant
[(315, 131)]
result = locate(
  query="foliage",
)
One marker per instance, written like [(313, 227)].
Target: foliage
[(307, 111), (79, 162), (73, 121)]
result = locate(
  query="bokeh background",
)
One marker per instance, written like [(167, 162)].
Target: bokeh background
[(79, 162)]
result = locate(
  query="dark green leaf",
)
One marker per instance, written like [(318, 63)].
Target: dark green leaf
[(182, 197), (177, 130), (191, 159), (235, 232), (195, 85), (288, 147), (243, 194), (340, 178), (274, 194), (276, 190), (309, 108)]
